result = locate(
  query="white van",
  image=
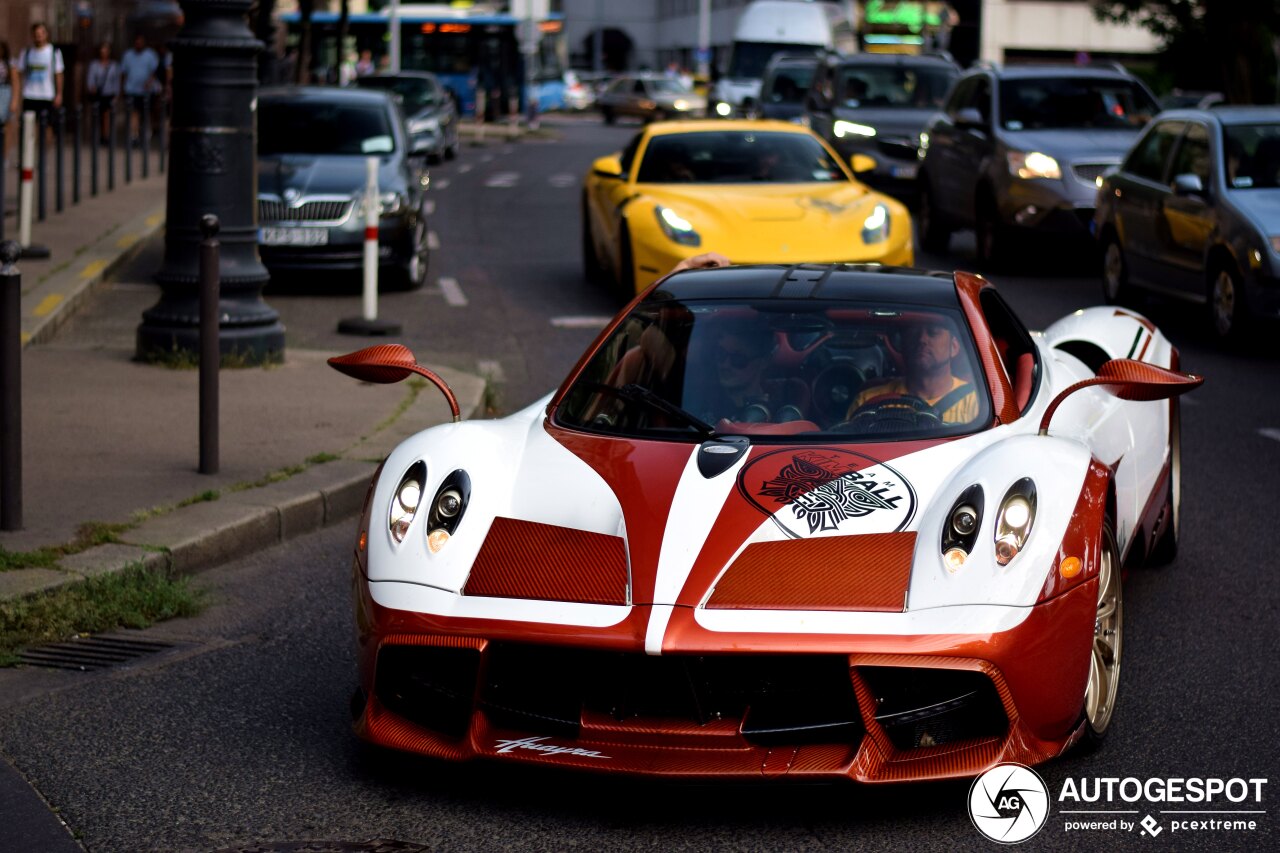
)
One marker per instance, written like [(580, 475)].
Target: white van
[(771, 26)]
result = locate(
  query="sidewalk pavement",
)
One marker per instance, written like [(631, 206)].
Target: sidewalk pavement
[(113, 444)]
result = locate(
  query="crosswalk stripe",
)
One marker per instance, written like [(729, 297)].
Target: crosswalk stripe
[(453, 294)]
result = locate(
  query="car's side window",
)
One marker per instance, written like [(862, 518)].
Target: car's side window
[(960, 96), (1148, 160), (1193, 154), (639, 88), (629, 153), (980, 99), (1018, 352)]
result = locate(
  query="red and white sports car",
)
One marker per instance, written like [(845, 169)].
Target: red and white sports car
[(780, 521)]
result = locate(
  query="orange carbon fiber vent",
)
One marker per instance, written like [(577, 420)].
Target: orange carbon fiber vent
[(524, 559), (866, 572)]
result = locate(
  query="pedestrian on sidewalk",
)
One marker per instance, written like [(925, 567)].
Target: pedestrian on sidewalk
[(41, 67), (138, 68), (103, 84), (10, 85)]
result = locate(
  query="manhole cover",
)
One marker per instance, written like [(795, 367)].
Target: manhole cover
[(379, 845), (85, 653)]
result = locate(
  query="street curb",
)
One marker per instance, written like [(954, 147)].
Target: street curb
[(50, 303)]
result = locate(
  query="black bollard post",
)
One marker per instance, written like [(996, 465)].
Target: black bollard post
[(111, 148), (59, 146), (129, 140), (95, 119), (42, 131), (3, 167), (10, 388), (75, 154), (210, 349), (145, 124), (162, 136)]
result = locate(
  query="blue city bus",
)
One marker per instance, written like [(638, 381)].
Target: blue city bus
[(467, 50)]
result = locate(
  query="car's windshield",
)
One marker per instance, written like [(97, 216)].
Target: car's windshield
[(416, 93), (663, 86), (1253, 156), (315, 127), (789, 85), (893, 86), (737, 156), (805, 370), (750, 57), (1043, 103)]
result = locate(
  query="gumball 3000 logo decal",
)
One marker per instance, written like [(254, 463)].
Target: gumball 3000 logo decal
[(827, 490)]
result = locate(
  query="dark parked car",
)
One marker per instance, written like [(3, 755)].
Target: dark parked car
[(782, 90), (430, 112), (1194, 213), (1020, 149), (313, 143), (877, 104)]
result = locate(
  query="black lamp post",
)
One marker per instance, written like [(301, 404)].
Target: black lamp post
[(212, 170)]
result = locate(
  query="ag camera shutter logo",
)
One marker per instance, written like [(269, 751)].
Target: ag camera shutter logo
[(1009, 803)]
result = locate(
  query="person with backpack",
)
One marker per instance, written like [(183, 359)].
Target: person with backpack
[(103, 84), (138, 68), (41, 68)]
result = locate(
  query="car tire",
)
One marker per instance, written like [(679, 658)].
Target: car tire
[(1226, 311), (592, 269), (413, 274), (1103, 684), (1115, 272), (609, 117), (935, 236), (1165, 549), (990, 234), (626, 280)]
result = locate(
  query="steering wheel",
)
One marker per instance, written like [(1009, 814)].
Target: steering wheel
[(889, 414)]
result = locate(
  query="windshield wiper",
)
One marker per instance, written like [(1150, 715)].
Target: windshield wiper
[(640, 394)]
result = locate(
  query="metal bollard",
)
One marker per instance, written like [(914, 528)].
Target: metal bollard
[(27, 189), (128, 141), (59, 146), (162, 135), (75, 154), (3, 167), (10, 388), (210, 348), (42, 131), (111, 147), (144, 124), (95, 121)]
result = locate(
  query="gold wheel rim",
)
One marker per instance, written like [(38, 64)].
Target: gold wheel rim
[(1104, 663)]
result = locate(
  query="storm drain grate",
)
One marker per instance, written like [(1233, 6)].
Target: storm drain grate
[(377, 845), (86, 653)]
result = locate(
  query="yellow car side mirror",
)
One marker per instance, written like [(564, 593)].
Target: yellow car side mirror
[(862, 163), (607, 167)]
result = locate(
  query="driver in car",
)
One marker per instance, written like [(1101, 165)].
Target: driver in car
[(928, 351)]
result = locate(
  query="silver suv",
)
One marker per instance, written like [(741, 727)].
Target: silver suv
[(1022, 148)]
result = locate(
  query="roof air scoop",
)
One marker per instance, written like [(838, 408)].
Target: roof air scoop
[(717, 455)]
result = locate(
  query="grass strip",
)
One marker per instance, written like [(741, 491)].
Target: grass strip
[(137, 597), (90, 535)]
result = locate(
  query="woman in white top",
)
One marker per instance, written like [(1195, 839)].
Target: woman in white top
[(102, 81)]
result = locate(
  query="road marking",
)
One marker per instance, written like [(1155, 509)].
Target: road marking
[(491, 370), (428, 207), (127, 240), (486, 158), (505, 180), (580, 322), (562, 180), (464, 168), (442, 183), (1270, 432), (25, 336), (433, 242), (452, 292), (91, 269), (53, 300), (154, 219)]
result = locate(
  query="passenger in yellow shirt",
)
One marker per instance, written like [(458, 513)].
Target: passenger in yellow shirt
[(928, 350)]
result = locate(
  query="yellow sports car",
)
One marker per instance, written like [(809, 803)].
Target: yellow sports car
[(756, 191)]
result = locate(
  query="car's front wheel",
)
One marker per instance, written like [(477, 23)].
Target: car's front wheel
[(935, 236), (1115, 273), (990, 234), (1108, 632), (591, 266), (412, 274), (626, 280), (1166, 547), (1226, 304), (607, 112)]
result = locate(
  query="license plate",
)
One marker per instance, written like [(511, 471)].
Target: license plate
[(904, 171), (293, 236)]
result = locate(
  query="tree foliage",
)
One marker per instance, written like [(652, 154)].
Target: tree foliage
[(1230, 47)]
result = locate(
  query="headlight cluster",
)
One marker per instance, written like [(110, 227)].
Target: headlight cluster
[(723, 110), (446, 511), (390, 204), (424, 125), (676, 227), (1033, 164), (849, 128), (1013, 524), (875, 229)]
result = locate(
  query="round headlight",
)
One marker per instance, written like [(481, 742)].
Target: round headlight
[(964, 520), (449, 504), (409, 495)]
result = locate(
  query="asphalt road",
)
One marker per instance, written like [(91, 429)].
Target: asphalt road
[(239, 734)]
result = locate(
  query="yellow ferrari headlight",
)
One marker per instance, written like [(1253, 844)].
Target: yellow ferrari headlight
[(875, 229), (676, 227)]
